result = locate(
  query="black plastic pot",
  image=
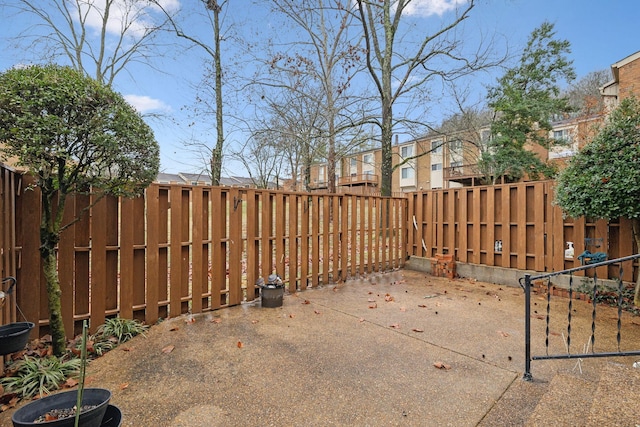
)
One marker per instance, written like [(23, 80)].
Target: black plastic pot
[(26, 415), (112, 418), (14, 336)]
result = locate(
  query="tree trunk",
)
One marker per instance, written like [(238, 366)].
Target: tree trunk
[(56, 324), (635, 224), (216, 163)]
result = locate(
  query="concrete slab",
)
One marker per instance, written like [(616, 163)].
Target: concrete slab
[(402, 348)]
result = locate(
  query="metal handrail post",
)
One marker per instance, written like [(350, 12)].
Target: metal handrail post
[(527, 328)]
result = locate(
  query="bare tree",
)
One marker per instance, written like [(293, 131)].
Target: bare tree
[(263, 158), (329, 55), (101, 39), (584, 95), (403, 66), (213, 10)]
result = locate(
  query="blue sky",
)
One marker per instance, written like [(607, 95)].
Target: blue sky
[(601, 33)]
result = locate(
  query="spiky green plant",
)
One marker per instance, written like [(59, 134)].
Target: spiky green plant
[(40, 375), (120, 330)]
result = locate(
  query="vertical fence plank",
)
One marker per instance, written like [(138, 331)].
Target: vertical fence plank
[(175, 251), (153, 253), (280, 219), (305, 216), (66, 253), (198, 280), (538, 226), (98, 264), (315, 241), (267, 232), (235, 250), (491, 226), (326, 237), (370, 231), (362, 227), (127, 266), (344, 237), (335, 237), (253, 242), (293, 243), (218, 246), (354, 217)]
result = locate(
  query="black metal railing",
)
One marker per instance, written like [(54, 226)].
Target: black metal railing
[(526, 283)]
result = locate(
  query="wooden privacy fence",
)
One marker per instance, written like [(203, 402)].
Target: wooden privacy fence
[(512, 226), (191, 249)]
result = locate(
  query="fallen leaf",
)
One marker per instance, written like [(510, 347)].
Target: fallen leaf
[(403, 309), (422, 305), (306, 301), (291, 316), (317, 311), (173, 329), (125, 348), (374, 305), (124, 385), (371, 300), (395, 326), (441, 365), (361, 319), (11, 403), (389, 298), (168, 349), (417, 330), (70, 382), (216, 320), (504, 334), (240, 345), (254, 321)]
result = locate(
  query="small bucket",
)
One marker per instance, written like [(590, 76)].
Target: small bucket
[(272, 296)]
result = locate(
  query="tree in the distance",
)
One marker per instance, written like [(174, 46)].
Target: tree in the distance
[(74, 135), (603, 179), (525, 99)]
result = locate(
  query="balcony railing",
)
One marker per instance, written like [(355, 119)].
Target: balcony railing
[(362, 179), (454, 173)]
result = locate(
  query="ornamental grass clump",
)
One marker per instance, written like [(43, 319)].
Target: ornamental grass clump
[(40, 376)]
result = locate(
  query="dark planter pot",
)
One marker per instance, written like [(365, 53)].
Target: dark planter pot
[(112, 418), (14, 336), (25, 416), (272, 296)]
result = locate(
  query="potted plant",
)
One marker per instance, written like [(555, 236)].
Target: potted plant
[(60, 409)]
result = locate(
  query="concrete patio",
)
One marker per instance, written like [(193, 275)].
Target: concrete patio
[(400, 348)]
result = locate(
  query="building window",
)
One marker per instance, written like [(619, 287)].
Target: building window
[(436, 146), (562, 135), (436, 167), (485, 135), (353, 163), (321, 174), (407, 173), (455, 146), (456, 164), (406, 151), (367, 159)]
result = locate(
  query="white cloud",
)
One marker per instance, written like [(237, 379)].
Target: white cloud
[(145, 104), (132, 16), (427, 8)]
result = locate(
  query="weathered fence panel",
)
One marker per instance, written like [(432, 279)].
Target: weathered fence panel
[(512, 226), (190, 249), (183, 249)]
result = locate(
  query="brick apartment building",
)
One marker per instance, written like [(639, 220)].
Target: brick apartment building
[(449, 159)]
